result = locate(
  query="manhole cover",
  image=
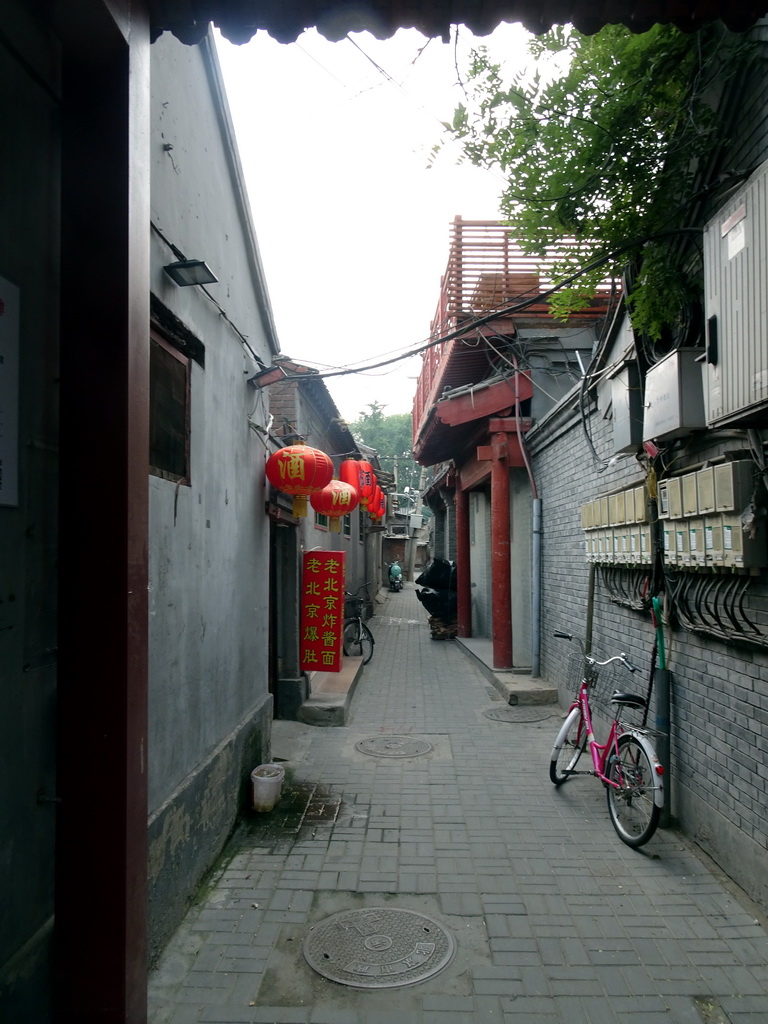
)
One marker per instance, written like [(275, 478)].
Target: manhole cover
[(393, 746), (378, 948), (517, 714)]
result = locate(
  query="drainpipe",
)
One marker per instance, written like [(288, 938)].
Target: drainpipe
[(501, 573), (463, 600), (536, 591), (535, 543)]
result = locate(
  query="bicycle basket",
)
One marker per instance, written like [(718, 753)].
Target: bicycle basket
[(353, 607), (603, 681), (575, 672)]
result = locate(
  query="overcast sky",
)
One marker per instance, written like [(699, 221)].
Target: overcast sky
[(352, 225)]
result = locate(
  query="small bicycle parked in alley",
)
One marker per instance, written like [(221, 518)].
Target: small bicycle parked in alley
[(358, 639), (626, 763)]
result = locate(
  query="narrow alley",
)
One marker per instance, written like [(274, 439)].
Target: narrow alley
[(422, 852)]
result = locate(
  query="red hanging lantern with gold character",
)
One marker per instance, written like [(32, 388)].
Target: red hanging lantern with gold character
[(299, 470), (335, 500), (366, 482), (374, 505)]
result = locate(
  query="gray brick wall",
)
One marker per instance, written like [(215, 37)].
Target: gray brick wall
[(719, 712)]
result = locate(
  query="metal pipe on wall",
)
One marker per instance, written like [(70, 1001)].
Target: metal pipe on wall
[(536, 590)]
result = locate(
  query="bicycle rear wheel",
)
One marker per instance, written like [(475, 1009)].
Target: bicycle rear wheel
[(358, 640), (631, 806), (568, 748)]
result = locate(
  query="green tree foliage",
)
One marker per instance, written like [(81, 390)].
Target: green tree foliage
[(392, 439), (601, 143)]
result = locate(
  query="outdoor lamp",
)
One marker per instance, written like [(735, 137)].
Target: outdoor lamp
[(187, 272), (269, 375)]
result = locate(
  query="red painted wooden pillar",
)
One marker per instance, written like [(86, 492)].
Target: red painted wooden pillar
[(501, 576), (463, 592)]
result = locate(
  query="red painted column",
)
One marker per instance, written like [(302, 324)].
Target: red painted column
[(501, 576), (463, 592)]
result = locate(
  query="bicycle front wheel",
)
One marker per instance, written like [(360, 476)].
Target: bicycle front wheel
[(630, 792), (358, 640), (568, 748)]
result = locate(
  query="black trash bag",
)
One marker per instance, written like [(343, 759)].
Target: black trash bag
[(440, 574), (439, 603)]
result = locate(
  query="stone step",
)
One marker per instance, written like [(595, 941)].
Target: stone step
[(330, 695), (516, 686)]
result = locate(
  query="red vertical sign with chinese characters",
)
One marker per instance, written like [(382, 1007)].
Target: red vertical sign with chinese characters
[(322, 610)]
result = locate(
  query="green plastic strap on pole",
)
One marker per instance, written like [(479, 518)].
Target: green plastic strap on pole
[(656, 603)]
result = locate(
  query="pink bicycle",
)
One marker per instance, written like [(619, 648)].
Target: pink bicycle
[(626, 763)]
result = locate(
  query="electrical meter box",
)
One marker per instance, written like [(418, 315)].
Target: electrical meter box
[(670, 551), (617, 509), (705, 489), (674, 497), (641, 504), (627, 409), (682, 548), (697, 554), (734, 483), (690, 494), (735, 286), (674, 396), (645, 545), (713, 541)]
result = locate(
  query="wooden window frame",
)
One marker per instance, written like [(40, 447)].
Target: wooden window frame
[(173, 352)]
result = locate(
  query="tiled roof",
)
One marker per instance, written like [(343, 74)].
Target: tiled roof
[(285, 20)]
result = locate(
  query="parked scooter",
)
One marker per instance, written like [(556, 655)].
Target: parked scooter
[(395, 577)]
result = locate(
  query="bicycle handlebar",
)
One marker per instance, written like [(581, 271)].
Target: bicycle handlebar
[(593, 661)]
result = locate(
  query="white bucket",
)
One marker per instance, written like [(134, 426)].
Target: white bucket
[(267, 782)]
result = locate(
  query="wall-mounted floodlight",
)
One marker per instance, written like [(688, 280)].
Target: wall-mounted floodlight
[(188, 272), (269, 375)]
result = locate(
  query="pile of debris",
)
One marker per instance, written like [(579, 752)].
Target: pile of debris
[(439, 597), (441, 630)]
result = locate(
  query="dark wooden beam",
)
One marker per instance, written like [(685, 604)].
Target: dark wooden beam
[(101, 864)]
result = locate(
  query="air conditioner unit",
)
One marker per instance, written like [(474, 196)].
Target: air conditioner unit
[(735, 290)]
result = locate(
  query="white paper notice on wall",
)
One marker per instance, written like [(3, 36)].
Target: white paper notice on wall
[(736, 238), (9, 393), (733, 230)]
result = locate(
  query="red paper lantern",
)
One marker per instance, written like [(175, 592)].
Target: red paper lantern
[(366, 482), (335, 500), (349, 474), (374, 505), (299, 470)]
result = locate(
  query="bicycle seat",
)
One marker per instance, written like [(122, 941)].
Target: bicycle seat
[(630, 700)]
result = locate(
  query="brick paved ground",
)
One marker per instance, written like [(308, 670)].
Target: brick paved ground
[(555, 920)]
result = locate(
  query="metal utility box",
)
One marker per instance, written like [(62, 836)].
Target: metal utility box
[(670, 498), (740, 550), (713, 541), (641, 504), (697, 553), (734, 483), (616, 509), (662, 499), (690, 494), (674, 396), (705, 489), (627, 406), (681, 543), (645, 545), (670, 551), (735, 287)]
